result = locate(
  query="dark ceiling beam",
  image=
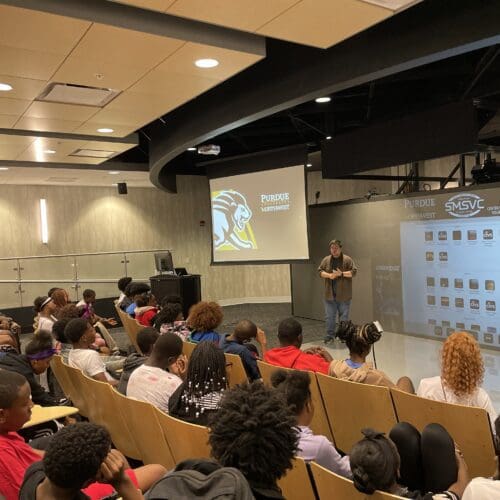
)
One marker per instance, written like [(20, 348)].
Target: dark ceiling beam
[(376, 177), (421, 35), (147, 21), (485, 62), (115, 165)]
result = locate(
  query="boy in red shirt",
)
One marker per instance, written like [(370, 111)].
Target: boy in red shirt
[(289, 355)]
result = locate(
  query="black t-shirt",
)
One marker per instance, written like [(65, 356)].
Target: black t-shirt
[(33, 476)]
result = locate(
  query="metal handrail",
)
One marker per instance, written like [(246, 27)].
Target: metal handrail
[(83, 254)]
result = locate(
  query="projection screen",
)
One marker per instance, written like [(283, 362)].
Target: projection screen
[(260, 216)]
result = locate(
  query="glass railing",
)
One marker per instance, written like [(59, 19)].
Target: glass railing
[(24, 278)]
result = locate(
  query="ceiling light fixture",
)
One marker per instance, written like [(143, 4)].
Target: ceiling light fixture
[(113, 172), (191, 149), (323, 99), (44, 226), (5, 87), (328, 137), (309, 164), (4, 168), (105, 130), (206, 63), (50, 152)]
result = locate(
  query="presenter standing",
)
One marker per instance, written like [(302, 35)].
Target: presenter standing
[(337, 270)]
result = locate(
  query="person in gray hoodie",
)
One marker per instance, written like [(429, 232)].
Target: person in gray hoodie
[(146, 339)]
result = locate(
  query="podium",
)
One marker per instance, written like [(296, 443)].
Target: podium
[(188, 288)]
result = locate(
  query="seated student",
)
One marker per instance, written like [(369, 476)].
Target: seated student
[(81, 334), (123, 301), (45, 309), (8, 343), (171, 320), (134, 290), (462, 373), (157, 379), (203, 319), (199, 395), (87, 304), (253, 432), (7, 324), (145, 309), (376, 463), (78, 455), (481, 488), (60, 297), (245, 331), (295, 388), (146, 339), (35, 361), (359, 340), (289, 355), (15, 454), (63, 345)]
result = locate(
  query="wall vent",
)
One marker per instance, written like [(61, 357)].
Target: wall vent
[(93, 153)]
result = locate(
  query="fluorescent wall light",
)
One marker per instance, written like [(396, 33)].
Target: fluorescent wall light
[(323, 99), (43, 221)]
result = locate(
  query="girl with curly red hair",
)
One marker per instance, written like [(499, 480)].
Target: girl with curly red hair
[(462, 373), (204, 318)]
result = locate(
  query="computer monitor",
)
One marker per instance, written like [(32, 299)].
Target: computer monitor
[(164, 262)]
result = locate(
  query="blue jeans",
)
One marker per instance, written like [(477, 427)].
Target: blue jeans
[(332, 308)]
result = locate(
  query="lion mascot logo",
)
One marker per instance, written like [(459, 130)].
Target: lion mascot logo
[(230, 214)]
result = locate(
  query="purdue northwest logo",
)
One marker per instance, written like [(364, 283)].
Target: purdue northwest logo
[(231, 216)]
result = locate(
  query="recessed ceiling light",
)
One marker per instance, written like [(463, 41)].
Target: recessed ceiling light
[(191, 149), (105, 130), (323, 99), (328, 137), (5, 87), (206, 63), (309, 164), (113, 172), (4, 168), (50, 152)]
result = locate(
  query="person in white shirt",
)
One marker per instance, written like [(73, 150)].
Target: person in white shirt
[(158, 378), (462, 373), (81, 334), (45, 308), (295, 387)]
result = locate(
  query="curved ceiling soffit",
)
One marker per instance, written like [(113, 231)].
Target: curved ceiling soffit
[(403, 42)]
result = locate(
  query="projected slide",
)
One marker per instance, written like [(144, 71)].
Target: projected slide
[(260, 216)]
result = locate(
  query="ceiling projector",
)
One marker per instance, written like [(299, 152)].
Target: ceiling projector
[(209, 149)]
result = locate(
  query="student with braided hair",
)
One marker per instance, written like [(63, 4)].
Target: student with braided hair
[(359, 341), (200, 394), (429, 460)]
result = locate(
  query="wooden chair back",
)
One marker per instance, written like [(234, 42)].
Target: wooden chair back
[(148, 434), (334, 487), (62, 376), (296, 484), (108, 414), (132, 328), (188, 348), (235, 370), (185, 440), (351, 407), (79, 397), (319, 424), (469, 427)]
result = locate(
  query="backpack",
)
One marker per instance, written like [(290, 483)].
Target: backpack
[(225, 483)]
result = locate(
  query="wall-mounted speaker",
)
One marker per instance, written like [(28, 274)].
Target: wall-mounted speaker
[(122, 188)]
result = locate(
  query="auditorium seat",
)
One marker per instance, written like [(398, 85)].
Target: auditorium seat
[(351, 407), (79, 398), (142, 419), (296, 484), (331, 486), (235, 370), (62, 377), (319, 424), (185, 440), (469, 427), (132, 328)]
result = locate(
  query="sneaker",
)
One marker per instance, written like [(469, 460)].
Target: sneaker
[(328, 339)]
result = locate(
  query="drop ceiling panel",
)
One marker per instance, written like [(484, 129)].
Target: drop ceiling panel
[(21, 140), (13, 106), (29, 63), (9, 151), (7, 121), (46, 125), (241, 15), (97, 74), (107, 44), (120, 117), (90, 128), (57, 111), (37, 150), (230, 61), (22, 88), (108, 146), (40, 31), (161, 5), (323, 23), (130, 101)]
